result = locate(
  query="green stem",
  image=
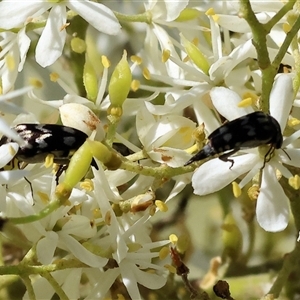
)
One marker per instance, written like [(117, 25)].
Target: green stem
[(162, 171), (52, 206), (279, 15), (29, 287), (57, 288), (259, 34), (291, 262), (143, 18), (286, 43), (22, 269)]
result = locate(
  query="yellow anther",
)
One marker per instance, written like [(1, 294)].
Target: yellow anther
[(54, 77), (245, 102), (170, 268), (294, 182), (163, 253), (97, 213), (146, 74), (236, 190), (165, 55), (136, 59), (161, 205), (44, 197), (173, 238), (49, 160), (135, 85), (35, 82), (107, 218), (210, 12), (293, 122), (87, 185), (253, 192), (10, 62), (286, 27), (105, 61)]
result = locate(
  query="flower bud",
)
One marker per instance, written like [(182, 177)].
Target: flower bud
[(90, 80), (82, 118), (120, 82), (196, 55)]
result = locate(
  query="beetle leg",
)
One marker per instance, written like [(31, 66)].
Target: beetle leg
[(225, 156)]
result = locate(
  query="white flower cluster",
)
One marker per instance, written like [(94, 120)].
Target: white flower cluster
[(201, 62)]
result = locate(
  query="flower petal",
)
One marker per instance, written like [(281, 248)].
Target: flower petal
[(46, 246), (281, 99), (97, 15), (226, 102), (215, 174), (80, 252), (52, 40), (272, 208)]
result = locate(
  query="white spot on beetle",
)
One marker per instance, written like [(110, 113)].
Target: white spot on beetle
[(227, 137), (69, 140), (69, 129)]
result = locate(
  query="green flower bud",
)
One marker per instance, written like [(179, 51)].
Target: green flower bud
[(90, 80), (79, 165), (78, 45), (120, 82), (188, 14), (196, 55)]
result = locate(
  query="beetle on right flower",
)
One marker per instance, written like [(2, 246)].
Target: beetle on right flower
[(249, 131)]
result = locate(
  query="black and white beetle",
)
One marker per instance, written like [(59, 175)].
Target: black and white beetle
[(249, 131), (43, 139)]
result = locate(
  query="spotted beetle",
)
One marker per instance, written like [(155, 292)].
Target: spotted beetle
[(44, 139), (249, 131)]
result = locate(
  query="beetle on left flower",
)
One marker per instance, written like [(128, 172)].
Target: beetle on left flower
[(42, 140)]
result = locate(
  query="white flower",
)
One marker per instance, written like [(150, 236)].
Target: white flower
[(122, 234), (14, 48), (51, 43), (272, 208)]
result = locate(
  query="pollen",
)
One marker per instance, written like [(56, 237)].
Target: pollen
[(253, 192), (294, 182), (165, 55), (163, 253), (245, 102), (35, 82), (293, 122), (146, 74), (161, 205), (78, 45), (87, 185), (170, 268), (54, 77), (135, 85), (44, 197), (97, 213), (236, 190), (136, 59), (10, 62), (286, 27), (105, 61), (49, 160), (210, 12), (107, 218), (173, 238)]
